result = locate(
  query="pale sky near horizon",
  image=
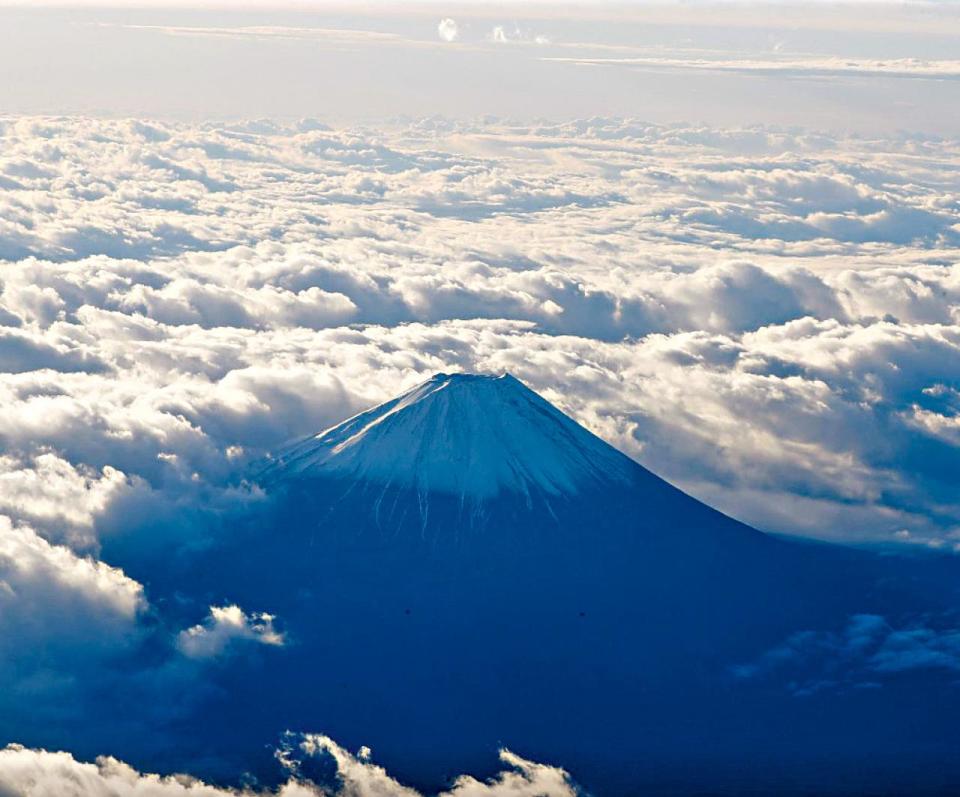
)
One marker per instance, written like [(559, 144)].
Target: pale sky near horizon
[(856, 67)]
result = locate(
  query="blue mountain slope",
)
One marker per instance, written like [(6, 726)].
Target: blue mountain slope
[(464, 567)]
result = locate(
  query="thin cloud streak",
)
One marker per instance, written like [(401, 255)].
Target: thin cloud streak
[(800, 67)]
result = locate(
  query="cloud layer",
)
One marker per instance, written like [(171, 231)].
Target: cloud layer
[(766, 317)]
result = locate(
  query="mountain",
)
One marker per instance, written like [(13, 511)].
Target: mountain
[(466, 435), (465, 567), (466, 458)]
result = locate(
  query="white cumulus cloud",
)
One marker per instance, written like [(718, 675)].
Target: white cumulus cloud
[(39, 773), (448, 30), (223, 628)]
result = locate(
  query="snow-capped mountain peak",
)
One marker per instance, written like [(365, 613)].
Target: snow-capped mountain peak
[(463, 434)]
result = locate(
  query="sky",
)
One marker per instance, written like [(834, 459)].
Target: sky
[(723, 237), (833, 67)]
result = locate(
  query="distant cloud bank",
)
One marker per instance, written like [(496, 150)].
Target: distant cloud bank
[(810, 66)]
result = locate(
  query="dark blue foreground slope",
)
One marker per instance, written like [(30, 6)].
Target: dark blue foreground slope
[(618, 628)]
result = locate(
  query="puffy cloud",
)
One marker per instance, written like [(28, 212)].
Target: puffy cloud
[(525, 778), (39, 773), (64, 621), (21, 352), (224, 628), (47, 583), (86, 660), (60, 500), (359, 776), (448, 30)]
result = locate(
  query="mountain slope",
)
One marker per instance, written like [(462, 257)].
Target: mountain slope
[(464, 567)]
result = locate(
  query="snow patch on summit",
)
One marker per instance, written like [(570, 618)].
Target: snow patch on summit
[(464, 434)]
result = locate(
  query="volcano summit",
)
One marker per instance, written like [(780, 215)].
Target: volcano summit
[(467, 435), (469, 452)]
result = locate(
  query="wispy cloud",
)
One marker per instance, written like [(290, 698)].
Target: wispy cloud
[(860, 656), (798, 67), (265, 31)]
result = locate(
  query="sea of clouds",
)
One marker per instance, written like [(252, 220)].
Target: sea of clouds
[(767, 318)]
